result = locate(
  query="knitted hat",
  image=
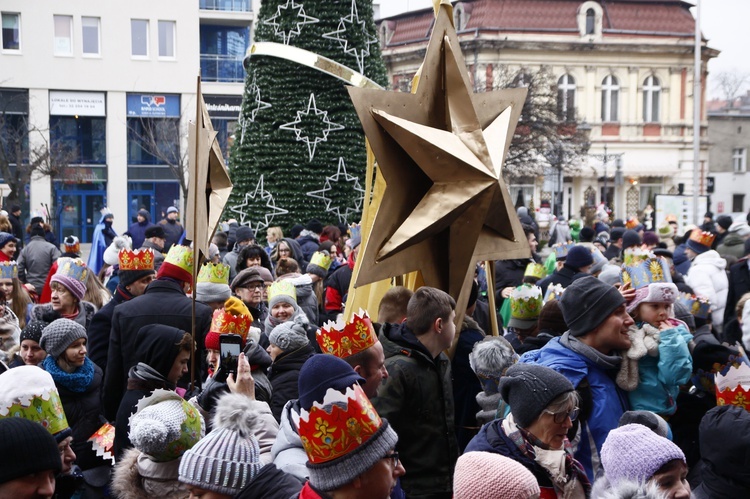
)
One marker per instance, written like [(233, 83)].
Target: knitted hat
[(634, 452), (652, 421), (616, 233), (5, 238), (59, 335), (501, 477), (244, 278), (26, 448), (172, 209), (29, 392), (72, 273), (282, 291), (178, 264), (489, 359), (587, 302), (530, 388), (72, 245), (610, 275), (228, 458), (579, 257), (321, 372), (233, 318), (289, 335), (319, 264), (630, 238), (650, 238), (587, 234), (724, 221), (155, 231), (244, 233), (113, 250), (551, 319), (213, 283), (296, 230), (144, 213), (33, 330), (165, 425)]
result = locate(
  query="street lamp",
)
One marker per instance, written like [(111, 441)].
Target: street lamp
[(605, 158)]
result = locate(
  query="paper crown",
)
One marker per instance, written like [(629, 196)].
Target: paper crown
[(554, 292), (344, 339), (704, 238), (182, 258), (650, 271), (29, 392), (599, 259), (8, 270), (103, 442), (140, 259), (671, 218), (632, 223), (216, 273), (355, 230), (535, 270), (526, 302), (633, 256), (322, 260), (706, 380), (74, 268), (561, 250), (733, 384), (282, 288), (338, 426), (225, 322), (72, 244), (699, 306)]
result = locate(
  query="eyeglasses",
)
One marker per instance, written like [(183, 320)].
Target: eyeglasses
[(560, 417), (393, 456), (255, 287)]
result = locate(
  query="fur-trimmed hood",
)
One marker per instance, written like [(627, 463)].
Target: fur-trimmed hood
[(602, 489), (136, 476)]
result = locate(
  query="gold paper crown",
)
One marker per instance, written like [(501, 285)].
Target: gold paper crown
[(180, 256), (140, 259), (8, 270), (535, 270), (75, 268), (225, 322), (321, 260), (282, 288), (346, 339), (216, 273), (704, 238), (338, 426)]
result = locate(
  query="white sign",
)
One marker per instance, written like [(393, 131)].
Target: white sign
[(77, 104), (680, 207)]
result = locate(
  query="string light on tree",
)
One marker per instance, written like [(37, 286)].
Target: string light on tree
[(287, 26), (255, 202), (333, 188), (316, 125), (352, 27)]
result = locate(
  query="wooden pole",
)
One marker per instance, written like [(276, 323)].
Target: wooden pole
[(194, 221), (489, 270)]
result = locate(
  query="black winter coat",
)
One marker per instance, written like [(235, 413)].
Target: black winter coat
[(284, 374), (564, 277), (100, 328), (271, 483), (739, 284), (509, 273)]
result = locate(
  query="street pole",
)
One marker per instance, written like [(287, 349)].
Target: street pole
[(697, 114), (605, 158)]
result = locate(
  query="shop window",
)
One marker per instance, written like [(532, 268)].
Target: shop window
[(79, 140), (153, 141)]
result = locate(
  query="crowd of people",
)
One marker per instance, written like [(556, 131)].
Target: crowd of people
[(123, 377)]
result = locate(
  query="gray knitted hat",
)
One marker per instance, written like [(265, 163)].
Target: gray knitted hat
[(228, 458), (289, 335), (208, 292), (530, 388), (587, 302), (58, 336)]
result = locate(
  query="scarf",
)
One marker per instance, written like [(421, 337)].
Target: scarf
[(77, 381), (601, 360), (144, 372)]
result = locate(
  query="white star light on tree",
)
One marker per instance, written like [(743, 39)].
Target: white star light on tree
[(353, 22), (286, 29), (260, 198), (338, 178), (257, 106), (327, 126)]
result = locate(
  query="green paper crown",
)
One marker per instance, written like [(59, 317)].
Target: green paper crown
[(526, 302), (29, 392), (217, 273), (535, 270)]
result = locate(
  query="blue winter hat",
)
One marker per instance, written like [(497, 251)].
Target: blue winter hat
[(321, 372), (578, 257)]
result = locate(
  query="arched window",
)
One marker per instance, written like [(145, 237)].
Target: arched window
[(651, 98), (590, 22), (566, 98), (610, 99)]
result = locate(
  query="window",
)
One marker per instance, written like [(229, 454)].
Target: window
[(79, 140), (738, 202), (566, 98), (651, 95), (153, 141), (166, 39), (139, 37), (590, 22), (11, 31), (63, 35), (222, 51), (90, 35), (610, 95), (739, 160)]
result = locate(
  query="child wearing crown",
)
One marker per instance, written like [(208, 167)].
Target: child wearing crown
[(659, 360)]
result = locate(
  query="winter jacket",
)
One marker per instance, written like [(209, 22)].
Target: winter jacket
[(165, 303), (137, 232), (136, 476), (708, 278), (612, 252), (337, 288), (284, 374), (596, 387), (46, 313), (16, 229), (564, 277), (738, 285), (417, 400), (259, 361), (173, 230), (732, 245), (680, 260), (158, 255), (287, 452), (35, 261), (466, 385), (271, 483), (101, 326), (508, 274), (308, 244)]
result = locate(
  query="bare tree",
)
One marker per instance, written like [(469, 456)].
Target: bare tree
[(160, 138), (731, 84)]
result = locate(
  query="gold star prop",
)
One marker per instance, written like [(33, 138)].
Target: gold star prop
[(440, 151)]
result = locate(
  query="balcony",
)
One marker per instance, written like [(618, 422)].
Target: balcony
[(222, 68), (226, 5)]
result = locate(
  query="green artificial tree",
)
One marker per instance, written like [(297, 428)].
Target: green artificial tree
[(299, 150)]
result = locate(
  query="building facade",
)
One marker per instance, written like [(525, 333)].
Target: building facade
[(624, 67), (112, 85)]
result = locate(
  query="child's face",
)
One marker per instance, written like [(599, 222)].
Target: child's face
[(653, 313)]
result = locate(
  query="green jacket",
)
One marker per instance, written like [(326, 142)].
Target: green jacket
[(417, 400), (733, 244)]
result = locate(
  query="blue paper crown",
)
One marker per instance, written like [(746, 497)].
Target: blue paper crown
[(8, 270), (599, 258), (654, 269), (355, 230), (561, 250), (554, 292), (73, 268), (697, 305)]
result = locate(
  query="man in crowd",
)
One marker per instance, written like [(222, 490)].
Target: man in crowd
[(155, 238), (36, 259), (172, 228), (244, 236)]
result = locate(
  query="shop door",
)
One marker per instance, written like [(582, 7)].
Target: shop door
[(140, 199), (79, 213)]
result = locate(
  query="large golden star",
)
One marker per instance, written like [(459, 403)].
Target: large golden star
[(440, 151)]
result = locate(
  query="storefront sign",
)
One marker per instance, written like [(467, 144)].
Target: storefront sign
[(223, 106), (154, 105), (77, 103)]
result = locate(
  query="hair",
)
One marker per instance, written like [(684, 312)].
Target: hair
[(186, 343), (286, 266), (276, 232), (392, 308), (528, 332), (528, 229), (220, 239), (564, 401), (741, 305), (425, 306), (102, 275), (275, 250), (95, 291), (530, 279), (330, 233), (20, 301), (252, 251), (5, 225), (362, 359)]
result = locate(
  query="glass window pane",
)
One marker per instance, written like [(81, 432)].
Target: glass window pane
[(90, 35), (613, 111), (63, 35), (139, 37), (11, 31), (166, 38)]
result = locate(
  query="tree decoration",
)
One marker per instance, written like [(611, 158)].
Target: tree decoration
[(256, 205), (316, 125), (344, 33), (332, 190), (289, 20)]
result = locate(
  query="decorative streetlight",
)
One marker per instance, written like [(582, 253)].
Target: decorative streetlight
[(605, 158)]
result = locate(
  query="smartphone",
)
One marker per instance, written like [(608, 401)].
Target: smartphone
[(230, 347)]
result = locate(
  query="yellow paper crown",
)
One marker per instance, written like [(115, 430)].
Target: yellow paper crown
[(346, 339), (322, 260), (30, 393), (140, 259), (216, 273), (180, 256), (282, 288), (704, 238), (338, 426), (8, 270), (535, 270)]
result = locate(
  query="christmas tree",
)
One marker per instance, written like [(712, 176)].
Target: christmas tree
[(299, 150)]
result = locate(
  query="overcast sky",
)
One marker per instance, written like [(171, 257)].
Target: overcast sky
[(724, 23)]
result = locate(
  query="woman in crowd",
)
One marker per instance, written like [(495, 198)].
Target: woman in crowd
[(96, 293), (253, 255), (10, 332), (289, 248), (30, 353), (273, 236), (16, 296), (7, 247), (68, 288)]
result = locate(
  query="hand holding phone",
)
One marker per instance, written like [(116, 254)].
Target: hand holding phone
[(230, 347)]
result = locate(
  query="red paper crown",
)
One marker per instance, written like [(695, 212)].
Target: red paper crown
[(338, 426), (344, 340), (140, 259), (224, 322), (704, 238)]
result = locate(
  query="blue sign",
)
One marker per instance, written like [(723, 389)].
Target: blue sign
[(154, 105)]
